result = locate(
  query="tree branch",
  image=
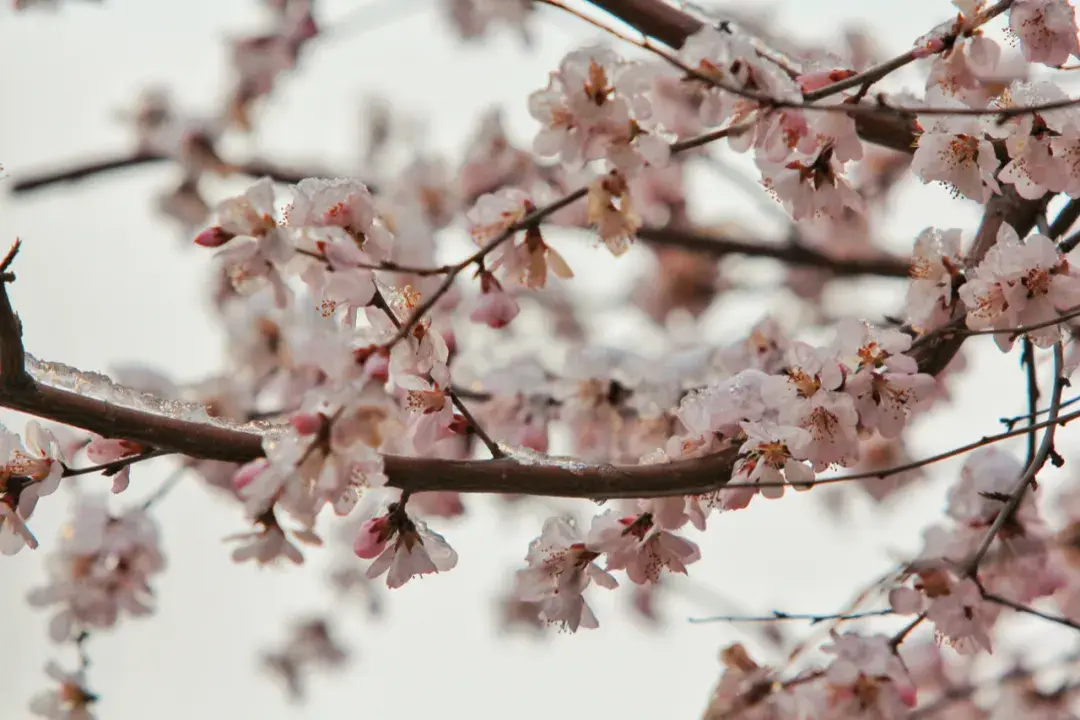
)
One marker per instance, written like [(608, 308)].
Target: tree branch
[(778, 616), (707, 243), (1028, 610), (1046, 447), (252, 168)]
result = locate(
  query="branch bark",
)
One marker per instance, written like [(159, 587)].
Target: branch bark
[(75, 173), (719, 245)]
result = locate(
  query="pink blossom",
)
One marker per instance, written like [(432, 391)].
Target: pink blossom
[(884, 382), (589, 103), (430, 407), (639, 546), (1047, 30), (866, 675), (406, 548), (812, 187), (372, 538), (258, 245), (101, 569), (561, 566), (953, 150), (831, 421), (495, 308), (1020, 284), (768, 457), (936, 263), (70, 700)]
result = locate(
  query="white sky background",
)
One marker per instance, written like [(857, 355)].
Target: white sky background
[(104, 280)]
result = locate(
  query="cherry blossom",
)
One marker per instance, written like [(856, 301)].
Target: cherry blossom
[(961, 618), (403, 547), (269, 543), (592, 108), (429, 403), (953, 150), (867, 675), (935, 266), (101, 451), (357, 384), (769, 456), (32, 469), (70, 701), (101, 569), (255, 242), (636, 544), (809, 187), (883, 380), (561, 567), (1046, 29), (311, 644), (1020, 283), (612, 213), (495, 308)]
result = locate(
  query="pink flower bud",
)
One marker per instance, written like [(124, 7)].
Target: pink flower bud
[(106, 450), (307, 423), (246, 473), (823, 78), (372, 538), (932, 47), (495, 309), (535, 438), (213, 237)]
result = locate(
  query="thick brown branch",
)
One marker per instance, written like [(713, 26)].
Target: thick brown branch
[(704, 242)]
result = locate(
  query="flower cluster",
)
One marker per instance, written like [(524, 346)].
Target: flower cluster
[(100, 570)]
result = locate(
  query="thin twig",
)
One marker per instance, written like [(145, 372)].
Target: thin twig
[(496, 452), (780, 616), (1020, 607), (1033, 468), (1027, 359), (111, 468), (896, 640), (1010, 422)]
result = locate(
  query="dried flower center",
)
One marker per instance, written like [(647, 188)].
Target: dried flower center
[(426, 401), (596, 86), (805, 384)]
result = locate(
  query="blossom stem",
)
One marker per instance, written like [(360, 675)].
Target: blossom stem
[(111, 468)]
